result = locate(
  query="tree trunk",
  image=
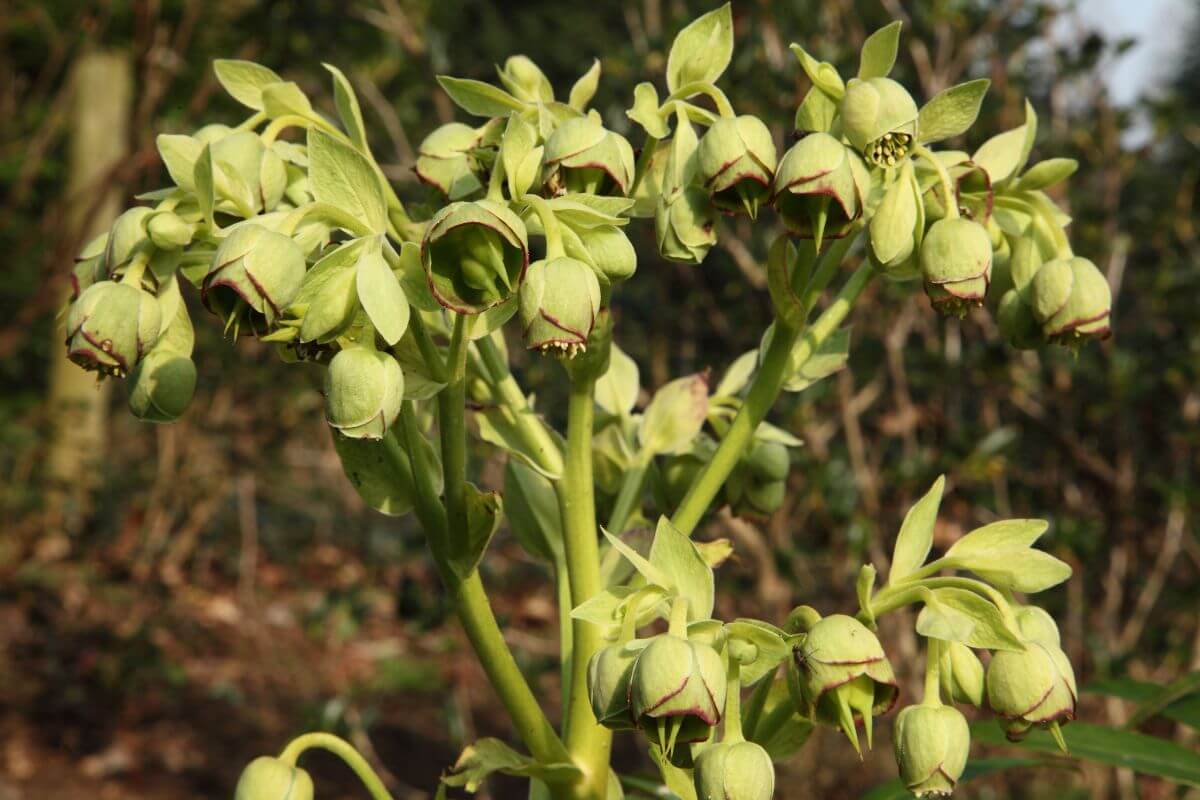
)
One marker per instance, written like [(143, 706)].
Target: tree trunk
[(102, 92)]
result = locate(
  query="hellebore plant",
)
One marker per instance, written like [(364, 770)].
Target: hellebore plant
[(288, 228)]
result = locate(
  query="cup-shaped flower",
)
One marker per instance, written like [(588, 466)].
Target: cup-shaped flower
[(111, 326), (559, 301), (931, 744), (677, 691), (584, 156), (1071, 299), (879, 117), (267, 778), (474, 255), (956, 263), (161, 386), (845, 677), (606, 249), (819, 187), (255, 273), (685, 225), (364, 390), (445, 161), (609, 673), (736, 163), (1031, 687), (734, 771), (960, 674)]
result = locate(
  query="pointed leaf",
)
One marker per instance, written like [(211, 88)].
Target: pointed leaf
[(380, 293), (879, 52), (531, 506), (481, 759), (245, 80), (675, 416), (676, 555), (646, 569), (479, 98), (952, 111), (702, 50), (617, 388), (998, 537), (348, 109), (916, 534), (585, 88), (343, 177)]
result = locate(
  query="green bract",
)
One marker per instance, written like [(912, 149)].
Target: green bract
[(879, 117), (610, 671), (736, 163), (584, 156), (685, 225), (931, 744), (956, 263), (127, 235), (267, 778), (474, 255), (560, 299), (820, 187), (255, 274), (677, 691), (845, 675), (445, 160), (111, 326), (1071, 300), (735, 771), (161, 386), (606, 249), (169, 231), (961, 674), (364, 389)]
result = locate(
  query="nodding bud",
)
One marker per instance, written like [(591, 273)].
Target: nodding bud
[(169, 231), (845, 677), (736, 164), (364, 390), (161, 386), (583, 156), (111, 326), (931, 744), (820, 187), (89, 265), (961, 674), (525, 80), (1035, 686), (446, 162), (734, 771), (1072, 301), (605, 248), (677, 691), (126, 236), (879, 117), (474, 255), (255, 274), (559, 301), (267, 778), (610, 671), (956, 263)]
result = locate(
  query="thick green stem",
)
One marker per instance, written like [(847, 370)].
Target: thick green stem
[(933, 692), (783, 355), (452, 425), (537, 437), (588, 742), (343, 750)]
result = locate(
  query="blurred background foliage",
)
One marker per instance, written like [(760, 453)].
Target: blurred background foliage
[(186, 597)]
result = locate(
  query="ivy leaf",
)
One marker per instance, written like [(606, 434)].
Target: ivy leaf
[(585, 88), (343, 177), (702, 50), (675, 416), (916, 534), (349, 112), (879, 52), (245, 80), (380, 293), (677, 556), (951, 111), (617, 388), (478, 98), (481, 759)]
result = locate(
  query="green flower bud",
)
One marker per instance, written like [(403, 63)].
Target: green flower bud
[(769, 460), (111, 326), (560, 299), (1071, 300), (267, 778), (685, 225), (820, 187), (879, 117), (526, 81), (445, 161), (931, 744), (1017, 323), (254, 275), (956, 263), (474, 255), (243, 156), (610, 671), (364, 390), (844, 675), (736, 163), (127, 235), (606, 249), (584, 156), (897, 228), (961, 674), (89, 265), (161, 386), (1037, 625), (1032, 687), (734, 771), (763, 498), (972, 187), (677, 691), (169, 231)]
